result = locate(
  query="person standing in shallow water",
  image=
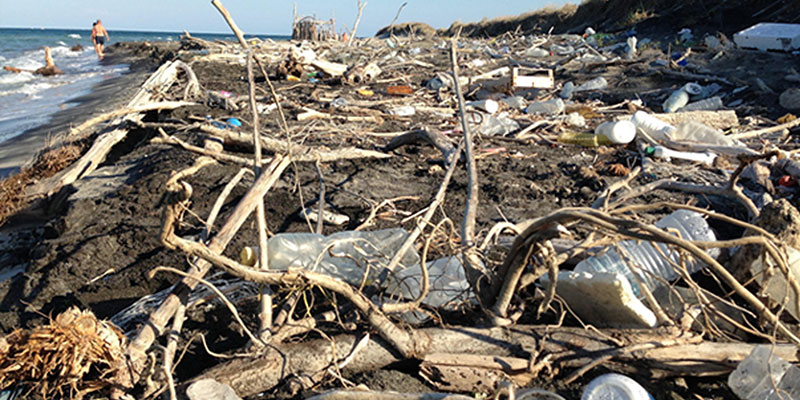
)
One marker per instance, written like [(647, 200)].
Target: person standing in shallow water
[(99, 37)]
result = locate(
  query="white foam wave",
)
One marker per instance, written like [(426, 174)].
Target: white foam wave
[(8, 79), (74, 36), (61, 42)]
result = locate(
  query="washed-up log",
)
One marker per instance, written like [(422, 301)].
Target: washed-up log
[(561, 348), (297, 152)]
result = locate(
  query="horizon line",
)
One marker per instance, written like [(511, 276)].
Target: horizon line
[(143, 30)]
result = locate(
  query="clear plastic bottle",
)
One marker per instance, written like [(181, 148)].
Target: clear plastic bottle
[(700, 133), (344, 255), (759, 375), (710, 104), (675, 101), (549, 107), (646, 259), (630, 49), (614, 387), (680, 97)]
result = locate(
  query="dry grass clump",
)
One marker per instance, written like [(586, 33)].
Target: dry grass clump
[(73, 355), (47, 164)]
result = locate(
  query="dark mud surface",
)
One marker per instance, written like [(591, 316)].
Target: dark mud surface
[(92, 244)]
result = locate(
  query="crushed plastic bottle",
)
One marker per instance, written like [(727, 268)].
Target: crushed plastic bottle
[(515, 102), (765, 376), (567, 90), (446, 278), (402, 111), (497, 126), (598, 83), (537, 52), (648, 259)]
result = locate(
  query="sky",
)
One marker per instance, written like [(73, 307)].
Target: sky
[(252, 16)]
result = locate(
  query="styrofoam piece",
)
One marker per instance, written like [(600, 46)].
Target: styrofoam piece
[(769, 36), (603, 299)]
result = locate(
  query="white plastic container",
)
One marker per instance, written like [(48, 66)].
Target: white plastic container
[(614, 387), (769, 36), (758, 375), (618, 132), (646, 259)]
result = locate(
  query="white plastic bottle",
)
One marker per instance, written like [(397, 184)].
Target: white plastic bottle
[(646, 260), (618, 132), (652, 126)]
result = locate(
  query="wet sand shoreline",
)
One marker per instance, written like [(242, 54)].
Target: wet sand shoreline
[(105, 96)]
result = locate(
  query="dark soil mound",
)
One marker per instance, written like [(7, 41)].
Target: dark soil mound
[(643, 15), (417, 29)]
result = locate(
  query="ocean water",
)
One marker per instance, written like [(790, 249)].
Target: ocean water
[(28, 101)]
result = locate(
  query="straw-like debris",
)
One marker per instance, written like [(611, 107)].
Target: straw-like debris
[(72, 356)]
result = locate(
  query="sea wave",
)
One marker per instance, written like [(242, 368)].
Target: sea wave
[(61, 42), (74, 36), (8, 79)]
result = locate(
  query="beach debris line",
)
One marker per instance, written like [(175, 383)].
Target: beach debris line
[(620, 249)]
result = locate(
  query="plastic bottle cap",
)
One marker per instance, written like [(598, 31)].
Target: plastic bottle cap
[(614, 386)]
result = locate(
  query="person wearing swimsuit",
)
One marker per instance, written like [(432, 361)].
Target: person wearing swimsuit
[(99, 36)]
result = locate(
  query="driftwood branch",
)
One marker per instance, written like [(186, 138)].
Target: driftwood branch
[(136, 350), (562, 349), (361, 6)]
